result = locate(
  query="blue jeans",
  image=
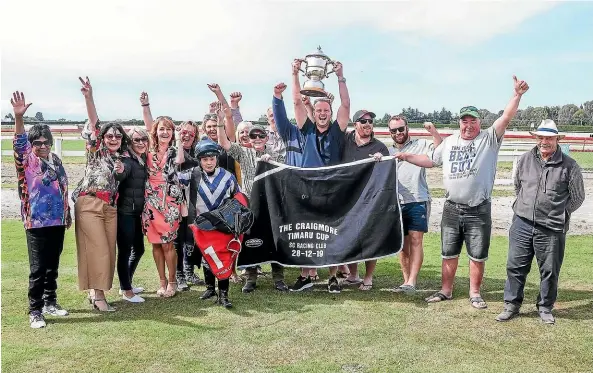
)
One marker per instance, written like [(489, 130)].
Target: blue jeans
[(527, 240)]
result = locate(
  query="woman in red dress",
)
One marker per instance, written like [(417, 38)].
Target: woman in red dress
[(163, 200)]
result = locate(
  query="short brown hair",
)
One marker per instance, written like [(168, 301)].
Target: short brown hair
[(398, 117)]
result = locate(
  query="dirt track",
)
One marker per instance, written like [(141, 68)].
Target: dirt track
[(581, 222)]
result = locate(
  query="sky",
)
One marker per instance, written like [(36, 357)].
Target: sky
[(395, 54)]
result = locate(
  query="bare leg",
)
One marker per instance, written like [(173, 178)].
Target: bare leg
[(404, 259), (416, 256), (367, 282), (171, 259), (159, 259), (449, 268), (476, 275)]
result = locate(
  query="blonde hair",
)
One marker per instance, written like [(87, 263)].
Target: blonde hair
[(139, 130), (240, 126)]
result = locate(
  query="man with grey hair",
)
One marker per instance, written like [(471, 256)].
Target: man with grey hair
[(549, 187), (469, 160)]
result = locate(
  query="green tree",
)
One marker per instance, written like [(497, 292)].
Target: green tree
[(566, 113), (588, 107), (581, 118)]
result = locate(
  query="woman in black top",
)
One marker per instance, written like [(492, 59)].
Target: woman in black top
[(130, 239)]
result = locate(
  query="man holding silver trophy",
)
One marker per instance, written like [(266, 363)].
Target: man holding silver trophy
[(322, 140)]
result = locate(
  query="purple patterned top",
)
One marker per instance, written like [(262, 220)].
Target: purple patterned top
[(42, 187)]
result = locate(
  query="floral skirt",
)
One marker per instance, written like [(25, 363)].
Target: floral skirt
[(161, 215)]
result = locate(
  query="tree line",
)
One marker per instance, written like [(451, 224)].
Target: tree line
[(567, 115)]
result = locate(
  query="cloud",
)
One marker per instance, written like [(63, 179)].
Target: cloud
[(46, 43)]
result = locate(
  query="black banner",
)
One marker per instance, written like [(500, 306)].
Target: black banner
[(318, 217)]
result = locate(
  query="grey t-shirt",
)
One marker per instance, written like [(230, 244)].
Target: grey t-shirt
[(469, 166), (411, 179)]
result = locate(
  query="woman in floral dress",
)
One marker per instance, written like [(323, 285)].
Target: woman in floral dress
[(95, 209), (164, 200)]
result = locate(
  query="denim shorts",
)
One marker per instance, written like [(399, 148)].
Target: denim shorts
[(472, 225), (415, 217)]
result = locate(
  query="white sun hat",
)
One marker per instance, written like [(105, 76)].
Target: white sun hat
[(547, 128)]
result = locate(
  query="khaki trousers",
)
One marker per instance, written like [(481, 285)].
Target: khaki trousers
[(96, 234)]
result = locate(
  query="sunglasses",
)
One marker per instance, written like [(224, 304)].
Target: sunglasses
[(139, 140), (254, 136), (365, 121), (398, 129), (164, 117), (39, 143), (111, 136), (210, 117)]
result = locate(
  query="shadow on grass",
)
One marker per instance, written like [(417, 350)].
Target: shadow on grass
[(185, 307)]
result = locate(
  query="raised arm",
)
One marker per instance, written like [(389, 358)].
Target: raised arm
[(223, 140), (146, 113), (228, 125), (235, 110), (436, 136), (300, 112), (309, 107), (179, 146), (87, 92), (343, 116), (501, 124), (279, 110), (19, 107)]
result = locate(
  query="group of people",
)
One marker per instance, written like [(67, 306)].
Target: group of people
[(152, 182)]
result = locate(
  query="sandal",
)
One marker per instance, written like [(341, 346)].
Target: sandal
[(406, 289), (365, 287), (171, 290), (162, 290), (438, 297), (347, 282), (478, 303), (95, 307), (340, 274)]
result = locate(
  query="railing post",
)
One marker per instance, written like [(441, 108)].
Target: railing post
[(58, 147)]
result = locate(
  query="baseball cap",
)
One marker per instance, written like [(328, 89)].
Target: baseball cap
[(472, 111), (258, 128), (359, 114)]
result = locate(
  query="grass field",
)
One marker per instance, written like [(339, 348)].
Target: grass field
[(266, 331)]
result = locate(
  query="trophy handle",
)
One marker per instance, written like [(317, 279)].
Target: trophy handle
[(300, 69), (333, 70)]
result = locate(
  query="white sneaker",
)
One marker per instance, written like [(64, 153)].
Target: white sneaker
[(36, 320), (137, 290), (54, 310), (134, 299)]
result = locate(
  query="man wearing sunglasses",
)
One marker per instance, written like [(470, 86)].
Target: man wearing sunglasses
[(360, 144), (414, 197), (469, 160)]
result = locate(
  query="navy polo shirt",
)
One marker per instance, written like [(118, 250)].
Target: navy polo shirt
[(322, 149)]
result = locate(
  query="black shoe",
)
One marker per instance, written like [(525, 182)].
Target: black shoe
[(182, 284), (193, 279), (280, 286), (223, 299), (333, 286), (209, 293), (249, 287), (301, 284)]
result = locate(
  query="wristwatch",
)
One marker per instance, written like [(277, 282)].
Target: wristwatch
[(341, 80)]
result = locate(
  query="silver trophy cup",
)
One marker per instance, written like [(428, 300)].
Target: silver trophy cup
[(316, 69)]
